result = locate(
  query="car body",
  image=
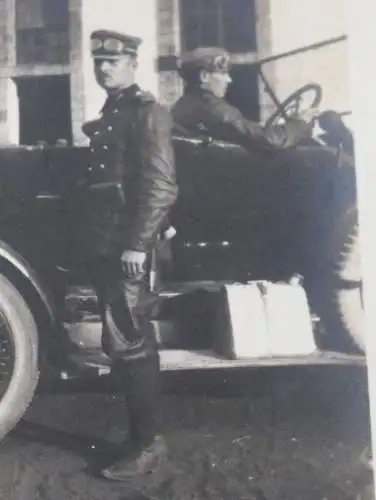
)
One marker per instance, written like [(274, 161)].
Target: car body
[(240, 217)]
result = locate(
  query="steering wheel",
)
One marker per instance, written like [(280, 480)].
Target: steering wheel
[(293, 104)]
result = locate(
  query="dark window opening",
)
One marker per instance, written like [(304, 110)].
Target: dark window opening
[(243, 93), (230, 24), (42, 32), (42, 13), (55, 12), (44, 109), (42, 46)]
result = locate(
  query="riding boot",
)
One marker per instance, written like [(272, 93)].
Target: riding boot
[(141, 382)]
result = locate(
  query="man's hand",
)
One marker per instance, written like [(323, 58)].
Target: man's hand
[(309, 115), (133, 262)]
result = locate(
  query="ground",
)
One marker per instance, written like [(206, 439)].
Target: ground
[(286, 434)]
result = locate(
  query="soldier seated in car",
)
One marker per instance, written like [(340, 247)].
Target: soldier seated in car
[(206, 73)]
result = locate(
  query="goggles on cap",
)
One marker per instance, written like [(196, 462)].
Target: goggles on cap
[(221, 64), (110, 45)]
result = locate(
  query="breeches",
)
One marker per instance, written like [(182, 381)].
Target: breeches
[(127, 305)]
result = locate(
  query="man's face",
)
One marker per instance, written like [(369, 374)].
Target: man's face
[(216, 82), (112, 74)]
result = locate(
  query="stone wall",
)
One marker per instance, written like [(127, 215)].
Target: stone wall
[(8, 119), (168, 36), (169, 44), (3, 33), (136, 17), (281, 26), (3, 62), (155, 21)]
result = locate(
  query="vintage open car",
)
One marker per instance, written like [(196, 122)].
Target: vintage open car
[(240, 216)]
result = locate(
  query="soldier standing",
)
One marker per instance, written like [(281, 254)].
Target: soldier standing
[(129, 190), (206, 73)]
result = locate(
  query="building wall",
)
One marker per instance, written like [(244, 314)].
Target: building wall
[(264, 49), (155, 21), (168, 39), (170, 44), (6, 59), (297, 24), (3, 32), (281, 26), (11, 68), (135, 17)]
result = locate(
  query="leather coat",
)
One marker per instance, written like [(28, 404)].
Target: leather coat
[(199, 108), (131, 181)]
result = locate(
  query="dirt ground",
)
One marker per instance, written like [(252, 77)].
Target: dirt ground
[(286, 434)]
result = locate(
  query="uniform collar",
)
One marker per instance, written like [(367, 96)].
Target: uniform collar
[(125, 94), (199, 92)]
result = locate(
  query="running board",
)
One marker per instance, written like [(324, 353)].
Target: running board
[(175, 359), (96, 363)]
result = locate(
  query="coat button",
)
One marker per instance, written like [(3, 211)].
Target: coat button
[(92, 150), (90, 169), (102, 165), (109, 128), (105, 147)]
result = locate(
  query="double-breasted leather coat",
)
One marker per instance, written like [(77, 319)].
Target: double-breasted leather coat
[(201, 108), (130, 181)]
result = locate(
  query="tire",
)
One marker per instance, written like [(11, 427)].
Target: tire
[(341, 314), (336, 294), (21, 331)]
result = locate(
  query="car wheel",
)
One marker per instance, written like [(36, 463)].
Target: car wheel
[(19, 371), (341, 314), (337, 291)]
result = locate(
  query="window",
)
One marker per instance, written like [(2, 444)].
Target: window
[(55, 13), (43, 46), (44, 109), (42, 31), (226, 23)]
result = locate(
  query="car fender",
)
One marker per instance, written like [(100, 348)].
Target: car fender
[(20, 265)]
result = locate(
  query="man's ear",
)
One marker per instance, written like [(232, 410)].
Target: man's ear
[(134, 63), (204, 76)]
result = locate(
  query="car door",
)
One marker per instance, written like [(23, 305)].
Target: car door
[(22, 224), (227, 213), (58, 199)]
